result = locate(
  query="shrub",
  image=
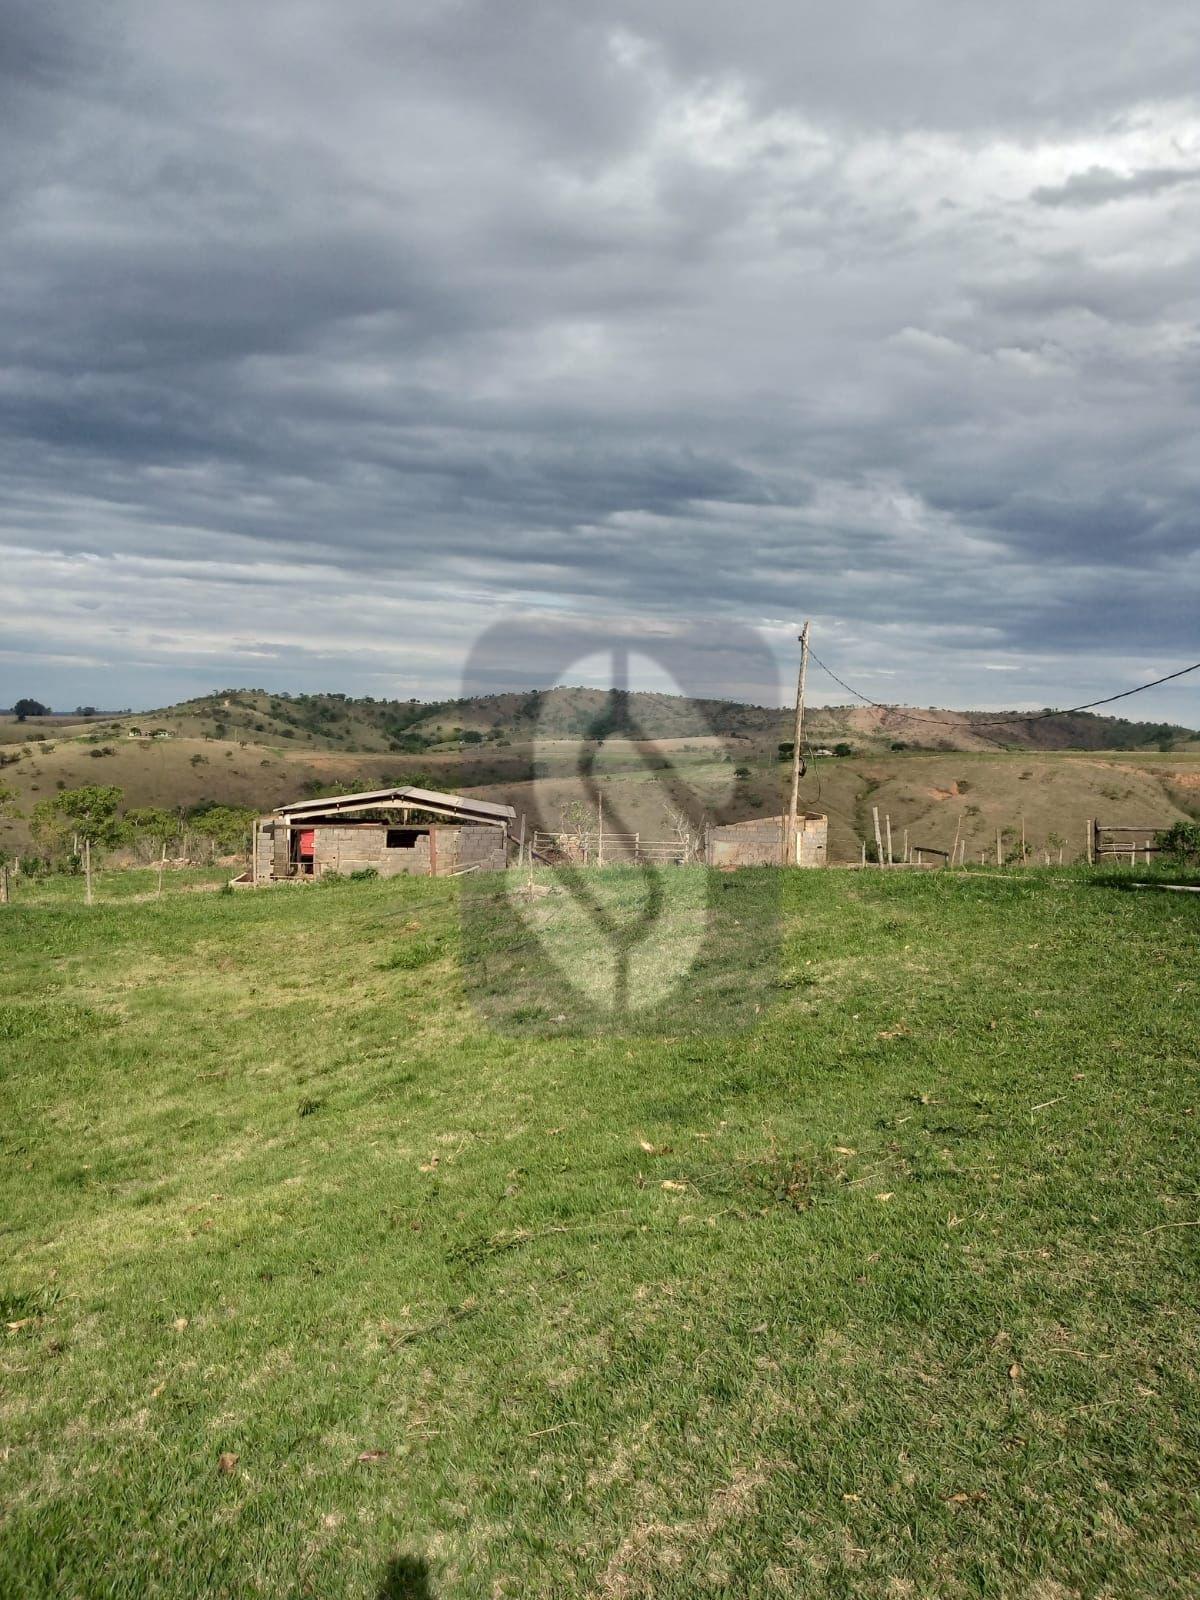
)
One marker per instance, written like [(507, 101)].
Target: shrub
[(1181, 840)]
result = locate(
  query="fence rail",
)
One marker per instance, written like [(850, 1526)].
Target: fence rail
[(1139, 841), (612, 849)]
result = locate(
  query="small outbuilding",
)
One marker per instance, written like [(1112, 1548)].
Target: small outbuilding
[(759, 842), (403, 830)]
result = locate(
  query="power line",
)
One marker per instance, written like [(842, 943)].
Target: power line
[(975, 722)]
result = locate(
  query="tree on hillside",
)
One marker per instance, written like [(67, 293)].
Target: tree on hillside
[(154, 826), (30, 708), (87, 814), (225, 827)]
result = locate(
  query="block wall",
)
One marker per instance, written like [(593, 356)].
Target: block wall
[(758, 843), (349, 849)]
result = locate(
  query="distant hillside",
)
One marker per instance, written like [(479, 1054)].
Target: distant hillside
[(346, 724), (934, 774)]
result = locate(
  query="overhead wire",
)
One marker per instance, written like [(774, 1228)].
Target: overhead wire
[(990, 719)]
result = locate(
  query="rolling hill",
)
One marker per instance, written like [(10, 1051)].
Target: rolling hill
[(246, 748), (368, 726)]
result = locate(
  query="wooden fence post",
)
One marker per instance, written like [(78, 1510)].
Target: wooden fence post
[(999, 849), (887, 818), (878, 837), (87, 868)]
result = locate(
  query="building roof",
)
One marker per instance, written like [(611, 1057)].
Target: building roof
[(466, 808)]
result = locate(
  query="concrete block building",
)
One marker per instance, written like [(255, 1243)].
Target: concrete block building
[(421, 832), (759, 842)]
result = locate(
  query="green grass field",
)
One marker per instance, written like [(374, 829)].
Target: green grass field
[(328, 1271)]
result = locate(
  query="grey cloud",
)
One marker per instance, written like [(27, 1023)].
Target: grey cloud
[(701, 314), (1099, 186)]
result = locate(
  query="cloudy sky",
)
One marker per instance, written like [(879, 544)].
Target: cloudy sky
[(335, 330)]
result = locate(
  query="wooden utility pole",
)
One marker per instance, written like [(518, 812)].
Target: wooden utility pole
[(789, 832)]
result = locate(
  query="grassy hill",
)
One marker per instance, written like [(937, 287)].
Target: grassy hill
[(337, 1259), (343, 723), (932, 794), (934, 774)]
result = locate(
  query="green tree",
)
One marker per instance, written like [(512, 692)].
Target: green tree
[(30, 708), (88, 814), (152, 825), (226, 827)]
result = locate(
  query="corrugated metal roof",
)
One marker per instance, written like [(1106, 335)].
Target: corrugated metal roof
[(405, 795)]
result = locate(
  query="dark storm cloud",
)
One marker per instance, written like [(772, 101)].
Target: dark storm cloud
[(328, 337)]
